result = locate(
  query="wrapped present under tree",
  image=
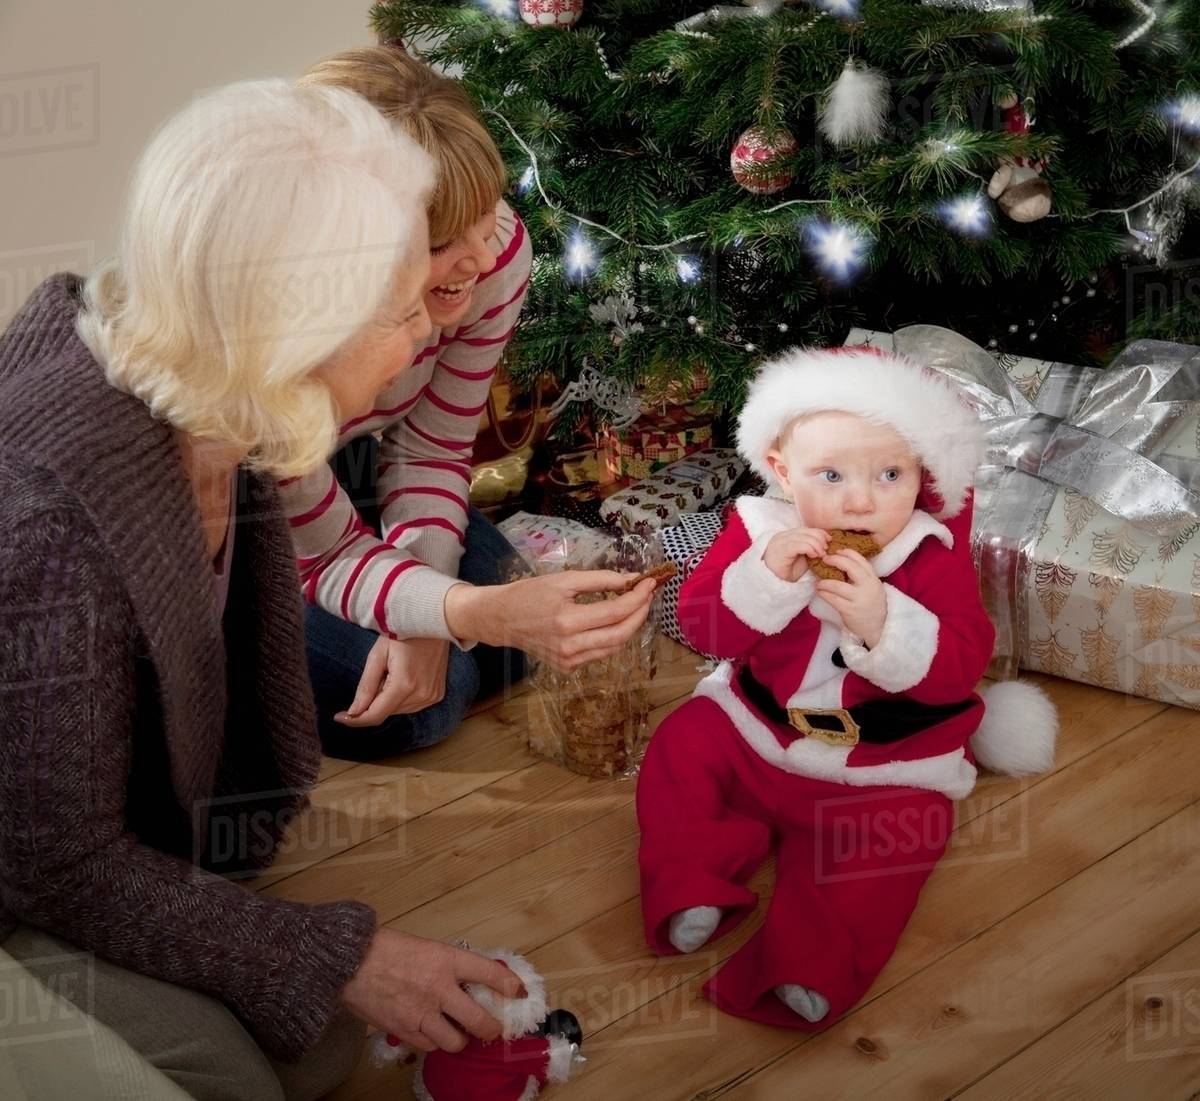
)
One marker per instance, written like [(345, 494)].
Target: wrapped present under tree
[(701, 481), (1087, 509)]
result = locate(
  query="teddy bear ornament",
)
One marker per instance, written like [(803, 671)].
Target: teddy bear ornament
[(1018, 186)]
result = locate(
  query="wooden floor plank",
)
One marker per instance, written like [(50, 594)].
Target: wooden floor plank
[(364, 816), (1140, 1039), (400, 870), (372, 799)]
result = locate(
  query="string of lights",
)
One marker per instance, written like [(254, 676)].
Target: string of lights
[(1139, 31), (839, 248)]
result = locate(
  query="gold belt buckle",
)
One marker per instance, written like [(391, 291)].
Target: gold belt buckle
[(842, 730)]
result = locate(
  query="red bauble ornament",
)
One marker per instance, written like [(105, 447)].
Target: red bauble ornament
[(551, 13), (760, 160)]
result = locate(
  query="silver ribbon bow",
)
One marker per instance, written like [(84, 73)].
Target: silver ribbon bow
[(1097, 432)]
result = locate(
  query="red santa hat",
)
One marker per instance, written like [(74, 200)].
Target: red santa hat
[(918, 404), (927, 410)]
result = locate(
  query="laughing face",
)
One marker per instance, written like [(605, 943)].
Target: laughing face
[(454, 269), (846, 472)]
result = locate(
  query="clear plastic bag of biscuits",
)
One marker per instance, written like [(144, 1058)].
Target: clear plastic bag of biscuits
[(595, 720)]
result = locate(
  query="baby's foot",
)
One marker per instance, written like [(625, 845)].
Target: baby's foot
[(803, 1000), (690, 928)]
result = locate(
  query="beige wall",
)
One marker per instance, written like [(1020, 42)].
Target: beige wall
[(83, 84)]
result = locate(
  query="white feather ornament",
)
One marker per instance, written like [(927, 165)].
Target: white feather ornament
[(855, 106)]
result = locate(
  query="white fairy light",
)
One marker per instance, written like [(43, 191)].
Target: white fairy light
[(935, 150), (688, 269), (579, 257), (1185, 113), (526, 181), (843, 9), (504, 9), (967, 214), (840, 249)]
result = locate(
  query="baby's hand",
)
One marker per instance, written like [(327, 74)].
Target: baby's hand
[(860, 600), (788, 553)]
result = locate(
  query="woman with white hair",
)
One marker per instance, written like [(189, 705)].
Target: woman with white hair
[(157, 730)]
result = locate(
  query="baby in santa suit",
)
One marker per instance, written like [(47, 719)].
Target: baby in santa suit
[(844, 718)]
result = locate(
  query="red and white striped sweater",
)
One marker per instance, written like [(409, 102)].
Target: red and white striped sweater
[(396, 584)]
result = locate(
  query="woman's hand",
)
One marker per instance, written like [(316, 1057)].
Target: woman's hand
[(860, 601), (539, 615), (411, 987), (401, 677)]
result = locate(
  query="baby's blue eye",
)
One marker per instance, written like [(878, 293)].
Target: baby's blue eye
[(892, 474), (831, 476)]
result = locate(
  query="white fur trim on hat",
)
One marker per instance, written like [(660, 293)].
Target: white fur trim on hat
[(1019, 729), (517, 1016), (917, 403)]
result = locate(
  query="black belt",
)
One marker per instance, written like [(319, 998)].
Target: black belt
[(878, 721)]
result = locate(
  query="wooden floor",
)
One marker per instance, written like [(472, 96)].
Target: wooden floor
[(1055, 952)]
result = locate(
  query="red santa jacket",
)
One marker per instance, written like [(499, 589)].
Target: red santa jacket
[(936, 643)]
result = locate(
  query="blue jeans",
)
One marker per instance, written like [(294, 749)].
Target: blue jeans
[(337, 650)]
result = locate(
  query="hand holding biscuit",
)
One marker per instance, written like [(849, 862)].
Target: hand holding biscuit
[(788, 553), (860, 600)]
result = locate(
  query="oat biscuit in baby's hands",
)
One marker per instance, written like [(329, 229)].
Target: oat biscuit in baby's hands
[(843, 540)]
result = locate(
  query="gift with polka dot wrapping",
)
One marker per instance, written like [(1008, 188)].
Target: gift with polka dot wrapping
[(685, 545)]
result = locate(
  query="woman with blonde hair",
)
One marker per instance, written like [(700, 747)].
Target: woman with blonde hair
[(383, 534), (157, 731)]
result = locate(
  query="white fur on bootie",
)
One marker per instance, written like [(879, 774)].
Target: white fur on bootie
[(803, 1000), (691, 928)]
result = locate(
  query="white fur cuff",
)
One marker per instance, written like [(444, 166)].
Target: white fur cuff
[(562, 1056), (517, 1016), (905, 651), (758, 598)]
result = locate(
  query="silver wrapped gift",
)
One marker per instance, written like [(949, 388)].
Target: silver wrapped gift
[(1087, 509)]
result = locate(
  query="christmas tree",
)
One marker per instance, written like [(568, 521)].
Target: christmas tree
[(706, 186)]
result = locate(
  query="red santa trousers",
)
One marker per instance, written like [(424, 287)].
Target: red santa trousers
[(850, 864)]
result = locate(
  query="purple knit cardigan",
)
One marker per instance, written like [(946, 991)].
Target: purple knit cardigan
[(149, 752)]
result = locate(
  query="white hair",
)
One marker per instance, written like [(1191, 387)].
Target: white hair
[(265, 223)]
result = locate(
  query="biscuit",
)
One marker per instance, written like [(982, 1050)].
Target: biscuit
[(843, 540), (661, 574)]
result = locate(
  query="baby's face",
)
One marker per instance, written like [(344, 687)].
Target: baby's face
[(846, 472)]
